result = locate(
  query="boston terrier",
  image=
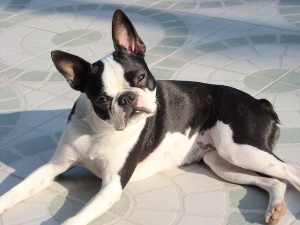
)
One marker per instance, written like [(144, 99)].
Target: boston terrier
[(127, 126)]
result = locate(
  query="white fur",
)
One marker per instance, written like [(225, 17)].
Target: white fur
[(107, 196), (36, 182), (102, 151), (113, 77), (92, 143), (95, 144), (250, 157), (231, 173), (176, 149), (115, 85), (146, 99)]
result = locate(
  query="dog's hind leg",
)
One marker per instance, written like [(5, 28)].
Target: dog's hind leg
[(276, 189), (252, 158)]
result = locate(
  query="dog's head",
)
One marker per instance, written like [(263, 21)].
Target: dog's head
[(120, 86)]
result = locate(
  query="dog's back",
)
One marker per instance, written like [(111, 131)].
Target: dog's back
[(253, 121)]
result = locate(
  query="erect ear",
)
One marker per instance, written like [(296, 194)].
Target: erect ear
[(72, 67), (125, 36)]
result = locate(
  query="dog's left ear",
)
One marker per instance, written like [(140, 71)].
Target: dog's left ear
[(72, 67), (125, 36)]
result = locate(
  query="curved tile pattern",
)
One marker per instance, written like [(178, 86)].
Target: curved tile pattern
[(184, 42), (290, 10)]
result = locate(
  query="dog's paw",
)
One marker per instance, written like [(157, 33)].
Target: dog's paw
[(274, 215), (72, 221), (2, 210), (68, 222)]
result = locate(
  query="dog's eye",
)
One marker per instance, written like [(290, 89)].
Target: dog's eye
[(141, 77), (102, 99)]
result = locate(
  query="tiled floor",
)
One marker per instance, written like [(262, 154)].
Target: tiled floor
[(253, 45)]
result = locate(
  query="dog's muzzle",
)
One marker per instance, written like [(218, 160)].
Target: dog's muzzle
[(130, 101), (128, 105)]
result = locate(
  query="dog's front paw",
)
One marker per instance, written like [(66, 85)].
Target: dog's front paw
[(73, 221), (3, 208), (68, 222)]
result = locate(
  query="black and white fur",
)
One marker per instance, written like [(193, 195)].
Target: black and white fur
[(126, 126)]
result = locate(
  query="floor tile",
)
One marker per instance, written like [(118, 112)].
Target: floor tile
[(252, 45), (210, 209)]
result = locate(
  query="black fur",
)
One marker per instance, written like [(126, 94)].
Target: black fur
[(72, 67), (124, 35), (72, 112), (134, 66), (94, 90), (183, 104)]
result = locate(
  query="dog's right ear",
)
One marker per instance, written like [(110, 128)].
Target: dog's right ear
[(72, 67), (125, 36)]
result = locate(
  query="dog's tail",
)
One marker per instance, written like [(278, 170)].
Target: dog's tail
[(266, 105), (275, 130)]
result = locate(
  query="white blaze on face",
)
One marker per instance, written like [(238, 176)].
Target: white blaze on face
[(113, 77), (115, 84)]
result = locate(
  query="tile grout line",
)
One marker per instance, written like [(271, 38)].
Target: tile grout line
[(33, 57), (178, 13), (43, 52), (276, 80), (78, 37), (39, 28), (31, 129), (183, 46), (245, 22), (60, 45)]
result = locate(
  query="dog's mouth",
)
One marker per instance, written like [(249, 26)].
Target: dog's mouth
[(139, 109), (131, 114)]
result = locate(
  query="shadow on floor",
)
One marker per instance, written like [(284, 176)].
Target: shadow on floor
[(68, 9), (245, 199), (249, 202)]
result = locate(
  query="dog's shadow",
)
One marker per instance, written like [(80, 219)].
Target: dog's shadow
[(80, 186), (31, 150), (70, 192), (77, 186), (246, 203)]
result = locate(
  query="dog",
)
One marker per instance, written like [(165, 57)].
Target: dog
[(126, 126)]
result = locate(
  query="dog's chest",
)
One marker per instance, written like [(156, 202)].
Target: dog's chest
[(109, 150), (178, 149)]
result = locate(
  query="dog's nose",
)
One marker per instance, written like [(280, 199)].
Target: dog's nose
[(127, 98)]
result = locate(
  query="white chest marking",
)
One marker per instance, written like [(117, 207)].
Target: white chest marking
[(109, 150), (96, 143)]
